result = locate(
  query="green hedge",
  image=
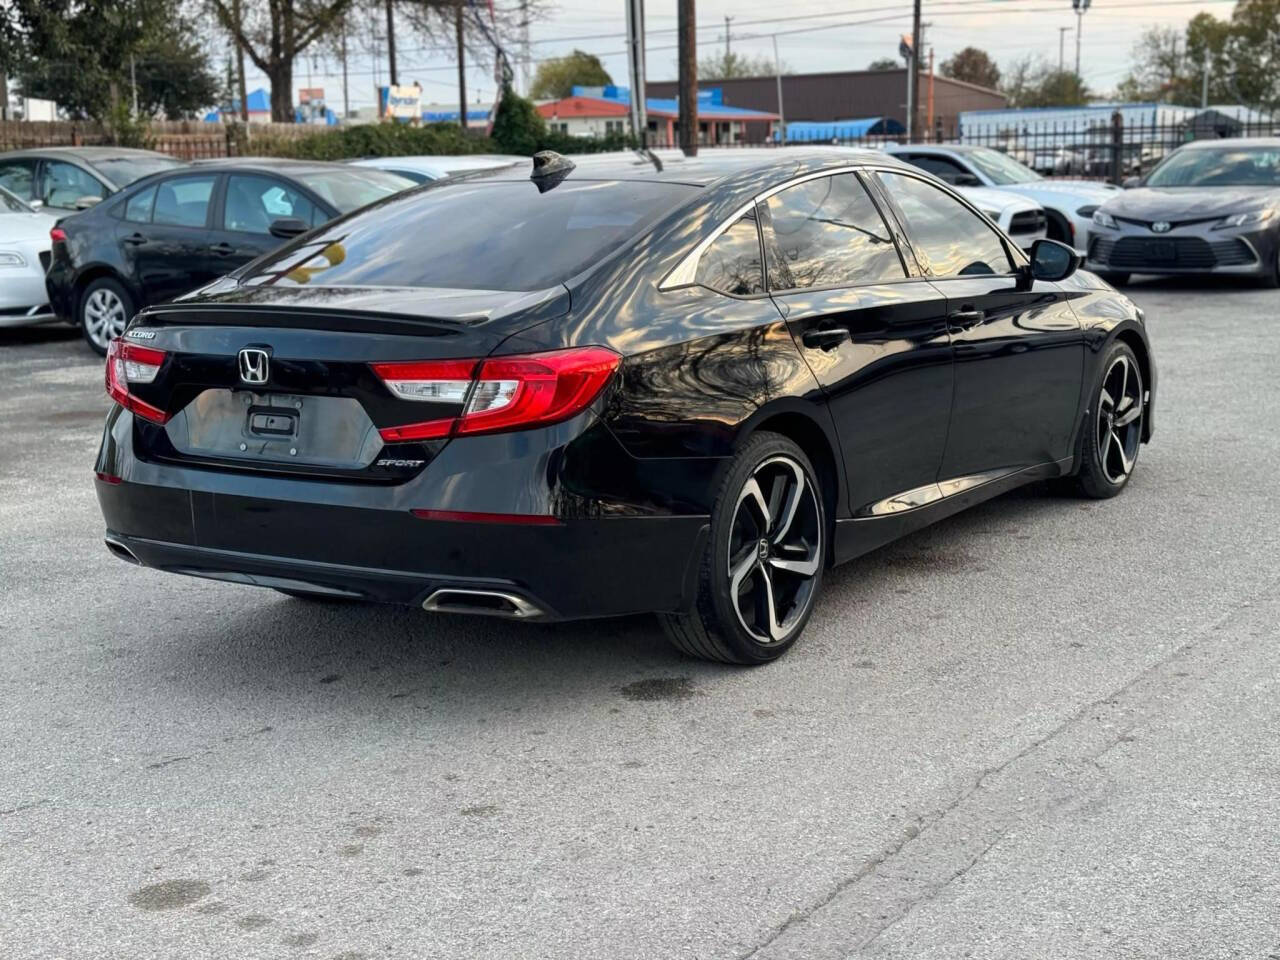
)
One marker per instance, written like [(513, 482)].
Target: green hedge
[(517, 129)]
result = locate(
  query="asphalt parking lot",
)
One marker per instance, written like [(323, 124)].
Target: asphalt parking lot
[(1045, 728)]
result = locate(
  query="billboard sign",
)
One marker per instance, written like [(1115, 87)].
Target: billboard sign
[(401, 102)]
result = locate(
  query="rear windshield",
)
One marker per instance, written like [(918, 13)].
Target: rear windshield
[(122, 171), (476, 235), (347, 190)]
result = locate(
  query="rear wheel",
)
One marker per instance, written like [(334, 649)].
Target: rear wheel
[(105, 307), (1115, 279), (763, 564), (1112, 432)]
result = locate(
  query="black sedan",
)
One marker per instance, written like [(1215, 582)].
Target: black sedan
[(1211, 206), (614, 389), (168, 234)]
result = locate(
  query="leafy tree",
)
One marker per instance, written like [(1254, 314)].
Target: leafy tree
[(80, 53), (1031, 82), (276, 32), (517, 126), (884, 63), (972, 66), (1253, 52), (728, 65), (556, 78)]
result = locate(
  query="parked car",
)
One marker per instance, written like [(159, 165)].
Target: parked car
[(172, 232), (423, 169), (614, 390), (1068, 204), (75, 178), (1211, 206), (24, 257)]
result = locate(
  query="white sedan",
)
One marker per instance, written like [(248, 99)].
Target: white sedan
[(422, 169), (24, 256), (1068, 204)]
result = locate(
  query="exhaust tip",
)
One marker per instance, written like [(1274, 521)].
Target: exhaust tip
[(491, 603), (118, 549)]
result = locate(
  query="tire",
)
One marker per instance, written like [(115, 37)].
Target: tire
[(102, 311), (768, 541), (1111, 435), (1272, 280), (1115, 279)]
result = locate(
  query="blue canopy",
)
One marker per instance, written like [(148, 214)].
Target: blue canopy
[(812, 131)]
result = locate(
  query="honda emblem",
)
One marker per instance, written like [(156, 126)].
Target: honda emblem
[(254, 365)]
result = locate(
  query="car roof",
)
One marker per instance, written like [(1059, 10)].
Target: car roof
[(272, 164), (710, 165), (1264, 142), (88, 154)]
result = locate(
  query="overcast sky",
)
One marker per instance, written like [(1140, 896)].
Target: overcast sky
[(814, 35)]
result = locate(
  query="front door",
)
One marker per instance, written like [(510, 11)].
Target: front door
[(875, 337), (1019, 353)]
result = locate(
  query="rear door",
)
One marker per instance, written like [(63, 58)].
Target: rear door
[(874, 335), (164, 236), (249, 204), (1019, 351)]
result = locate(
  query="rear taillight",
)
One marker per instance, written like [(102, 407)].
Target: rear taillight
[(128, 363), (58, 235), (499, 394)]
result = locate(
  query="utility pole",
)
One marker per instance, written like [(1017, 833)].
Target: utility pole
[(526, 54), (1080, 6), (777, 75), (636, 70), (238, 26), (687, 42), (1204, 82), (727, 18), (391, 41), (928, 123), (1062, 36), (913, 78), (462, 65), (346, 104), (4, 94)]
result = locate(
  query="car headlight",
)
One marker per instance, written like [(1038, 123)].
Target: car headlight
[(993, 215), (1244, 219), (12, 260), (1104, 219)]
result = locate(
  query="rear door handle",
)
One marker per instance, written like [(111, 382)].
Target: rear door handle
[(968, 317), (827, 339), (223, 249), (135, 239)]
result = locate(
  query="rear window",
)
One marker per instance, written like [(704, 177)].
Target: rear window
[(122, 171), (477, 235)]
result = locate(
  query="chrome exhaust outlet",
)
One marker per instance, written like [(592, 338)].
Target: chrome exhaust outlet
[(492, 603), (118, 549)]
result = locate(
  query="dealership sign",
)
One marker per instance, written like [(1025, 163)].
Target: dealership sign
[(402, 102)]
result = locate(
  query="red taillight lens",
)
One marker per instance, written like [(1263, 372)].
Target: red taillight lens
[(129, 363), (58, 235), (505, 393)]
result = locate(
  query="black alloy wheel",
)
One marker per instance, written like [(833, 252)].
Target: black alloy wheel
[(763, 566), (1112, 434)]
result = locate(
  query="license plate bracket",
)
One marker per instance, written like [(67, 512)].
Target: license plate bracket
[(1162, 251)]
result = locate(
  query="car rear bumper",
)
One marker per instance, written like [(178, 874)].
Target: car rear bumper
[(489, 531)]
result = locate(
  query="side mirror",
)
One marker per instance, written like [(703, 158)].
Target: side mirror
[(1051, 260), (965, 180), (84, 203), (35, 204), (288, 227), (1130, 182)]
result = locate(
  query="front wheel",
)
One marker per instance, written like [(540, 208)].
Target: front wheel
[(763, 564), (1112, 431), (105, 308)]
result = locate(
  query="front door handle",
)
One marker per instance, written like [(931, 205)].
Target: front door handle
[(223, 249), (827, 339), (966, 318), (135, 239)]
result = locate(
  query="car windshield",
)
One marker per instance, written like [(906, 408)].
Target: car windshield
[(11, 204), (122, 171), (1219, 167), (348, 190), (477, 235), (1001, 169)]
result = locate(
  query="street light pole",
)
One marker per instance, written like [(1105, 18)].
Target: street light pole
[(1080, 6), (1062, 35), (777, 75), (913, 78), (636, 68), (687, 41)]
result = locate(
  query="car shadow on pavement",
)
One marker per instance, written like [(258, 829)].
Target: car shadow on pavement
[(1148, 283), (45, 333)]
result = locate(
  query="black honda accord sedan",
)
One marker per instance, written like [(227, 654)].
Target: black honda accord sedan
[(613, 389)]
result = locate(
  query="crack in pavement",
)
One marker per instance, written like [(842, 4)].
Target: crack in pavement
[(1061, 768)]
